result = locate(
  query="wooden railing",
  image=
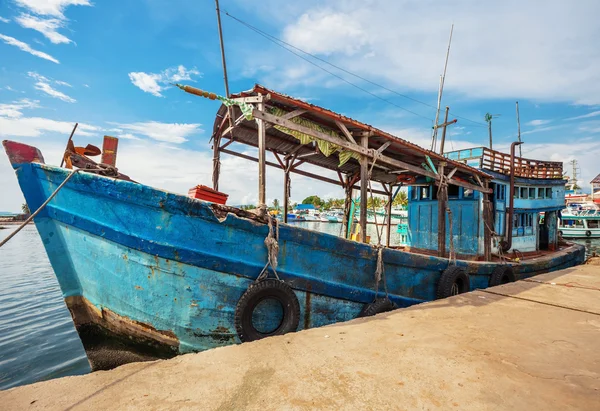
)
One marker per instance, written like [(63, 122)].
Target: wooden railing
[(500, 162)]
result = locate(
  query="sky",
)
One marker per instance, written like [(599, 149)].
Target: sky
[(109, 65)]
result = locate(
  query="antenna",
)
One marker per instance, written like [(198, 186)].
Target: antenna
[(519, 130), (441, 90), (488, 119)]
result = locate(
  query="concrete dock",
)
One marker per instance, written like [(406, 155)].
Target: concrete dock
[(529, 345)]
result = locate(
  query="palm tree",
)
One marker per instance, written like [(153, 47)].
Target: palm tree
[(276, 204), (25, 209)]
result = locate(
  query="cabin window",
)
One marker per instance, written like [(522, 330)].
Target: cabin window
[(523, 224), (414, 191), (549, 192), (501, 192), (573, 223), (541, 192), (532, 192), (524, 191), (452, 191), (593, 224), (424, 193), (467, 193), (517, 191)]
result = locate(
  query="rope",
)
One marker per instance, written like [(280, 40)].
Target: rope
[(452, 257), (31, 217), (272, 251), (380, 272)]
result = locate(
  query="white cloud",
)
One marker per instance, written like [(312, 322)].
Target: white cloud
[(536, 123), (62, 83), (14, 109), (43, 84), (37, 126), (499, 55), (48, 27), (51, 7), (4, 20), (86, 86), (154, 83), (588, 115), (147, 82), (27, 48), (168, 132)]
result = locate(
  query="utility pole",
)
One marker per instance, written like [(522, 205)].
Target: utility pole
[(445, 124), (519, 130), (488, 118)]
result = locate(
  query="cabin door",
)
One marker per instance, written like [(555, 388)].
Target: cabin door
[(499, 207)]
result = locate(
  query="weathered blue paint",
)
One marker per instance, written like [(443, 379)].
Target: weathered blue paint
[(167, 261), (423, 222)]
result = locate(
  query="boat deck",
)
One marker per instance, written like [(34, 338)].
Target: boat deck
[(521, 346)]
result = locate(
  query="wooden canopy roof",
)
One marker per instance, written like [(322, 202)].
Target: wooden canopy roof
[(393, 156)]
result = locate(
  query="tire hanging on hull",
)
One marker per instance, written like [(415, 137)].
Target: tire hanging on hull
[(257, 292), (454, 280)]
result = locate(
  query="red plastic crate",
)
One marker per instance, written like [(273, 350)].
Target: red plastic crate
[(207, 194)]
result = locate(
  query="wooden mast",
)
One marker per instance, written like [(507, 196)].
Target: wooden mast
[(364, 182), (442, 202)]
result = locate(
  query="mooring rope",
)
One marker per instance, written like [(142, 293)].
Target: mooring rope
[(272, 250), (31, 217)]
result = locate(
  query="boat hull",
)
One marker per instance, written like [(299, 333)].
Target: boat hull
[(164, 269)]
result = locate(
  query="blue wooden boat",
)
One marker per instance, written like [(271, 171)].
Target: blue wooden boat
[(183, 275)]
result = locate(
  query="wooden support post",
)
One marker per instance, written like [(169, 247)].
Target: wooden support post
[(262, 198), (389, 217), (487, 225), (364, 184), (286, 188), (216, 161), (347, 222), (444, 131), (442, 203)]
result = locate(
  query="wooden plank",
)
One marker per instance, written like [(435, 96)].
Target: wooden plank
[(262, 192), (442, 200), (345, 131), (364, 181), (289, 116)]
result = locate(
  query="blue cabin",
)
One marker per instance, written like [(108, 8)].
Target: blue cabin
[(538, 195)]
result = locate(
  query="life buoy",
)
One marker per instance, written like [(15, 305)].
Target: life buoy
[(406, 179), (502, 274), (588, 233), (380, 305), (454, 280), (257, 293)]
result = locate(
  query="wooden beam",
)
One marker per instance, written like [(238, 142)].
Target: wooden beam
[(359, 149), (345, 131), (442, 202), (487, 227), (389, 216), (364, 182), (262, 190), (286, 188), (253, 99), (289, 116)]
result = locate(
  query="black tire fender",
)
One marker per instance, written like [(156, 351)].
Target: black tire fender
[(257, 292), (588, 233), (502, 274), (380, 305), (454, 280)]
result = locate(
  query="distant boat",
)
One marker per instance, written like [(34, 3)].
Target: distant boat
[(580, 221)]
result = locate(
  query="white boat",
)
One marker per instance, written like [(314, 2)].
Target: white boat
[(582, 221)]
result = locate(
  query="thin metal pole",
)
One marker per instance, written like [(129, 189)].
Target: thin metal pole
[(519, 129), (364, 183), (68, 141), (490, 131), (444, 131), (262, 203), (442, 80), (222, 49)]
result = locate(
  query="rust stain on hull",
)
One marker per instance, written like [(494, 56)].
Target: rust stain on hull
[(84, 312)]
